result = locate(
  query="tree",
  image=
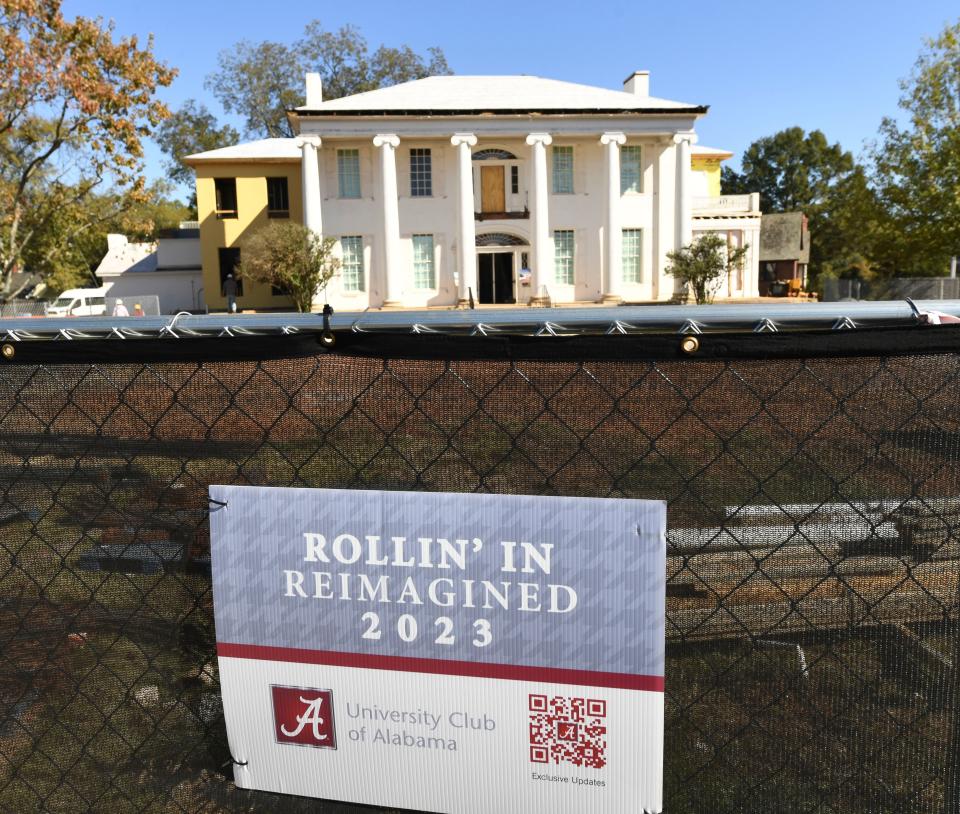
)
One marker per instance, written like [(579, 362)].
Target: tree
[(191, 129), (261, 81), (291, 257), (792, 170), (71, 263), (74, 106), (917, 162), (798, 171), (701, 264)]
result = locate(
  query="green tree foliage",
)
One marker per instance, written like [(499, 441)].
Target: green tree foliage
[(291, 257), (792, 170), (191, 129), (917, 160), (70, 263), (261, 81), (75, 104), (701, 265), (795, 171)]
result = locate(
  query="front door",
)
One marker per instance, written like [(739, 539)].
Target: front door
[(495, 278), (492, 197)]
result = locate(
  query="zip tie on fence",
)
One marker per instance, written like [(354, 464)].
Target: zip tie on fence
[(286, 330), (327, 339), (483, 329), (765, 325), (417, 328), (235, 762), (219, 504), (691, 326)]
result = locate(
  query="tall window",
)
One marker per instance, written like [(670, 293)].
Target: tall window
[(631, 179), (562, 170), (421, 173), (348, 173), (631, 248), (352, 248), (514, 179), (278, 198), (563, 256), (226, 191), (423, 271)]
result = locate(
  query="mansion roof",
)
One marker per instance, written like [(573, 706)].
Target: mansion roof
[(504, 95)]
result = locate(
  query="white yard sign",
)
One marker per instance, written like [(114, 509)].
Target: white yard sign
[(442, 652)]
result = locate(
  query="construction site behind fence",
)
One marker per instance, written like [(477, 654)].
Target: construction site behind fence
[(813, 553)]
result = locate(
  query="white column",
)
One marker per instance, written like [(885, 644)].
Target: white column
[(540, 216), (310, 181), (612, 262), (467, 235), (392, 267), (684, 200)]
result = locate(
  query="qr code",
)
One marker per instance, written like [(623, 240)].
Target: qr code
[(568, 730)]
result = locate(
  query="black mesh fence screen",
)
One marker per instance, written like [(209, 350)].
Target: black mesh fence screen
[(812, 565)]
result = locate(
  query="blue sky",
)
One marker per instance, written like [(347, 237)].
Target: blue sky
[(760, 66)]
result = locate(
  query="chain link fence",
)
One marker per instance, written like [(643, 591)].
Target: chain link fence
[(812, 570)]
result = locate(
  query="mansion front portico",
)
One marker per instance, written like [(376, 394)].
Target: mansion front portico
[(496, 189)]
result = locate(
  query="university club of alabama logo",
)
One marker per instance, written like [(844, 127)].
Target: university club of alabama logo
[(303, 716)]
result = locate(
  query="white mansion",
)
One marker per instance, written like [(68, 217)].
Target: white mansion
[(500, 188)]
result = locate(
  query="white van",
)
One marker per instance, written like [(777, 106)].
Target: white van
[(79, 302)]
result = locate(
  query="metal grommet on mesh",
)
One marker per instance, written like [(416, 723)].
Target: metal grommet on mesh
[(689, 344), (7, 350)]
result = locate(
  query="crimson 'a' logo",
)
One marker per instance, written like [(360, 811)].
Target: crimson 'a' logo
[(303, 716)]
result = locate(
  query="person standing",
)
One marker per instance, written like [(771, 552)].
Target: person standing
[(229, 290)]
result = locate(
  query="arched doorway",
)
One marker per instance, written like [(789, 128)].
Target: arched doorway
[(503, 275)]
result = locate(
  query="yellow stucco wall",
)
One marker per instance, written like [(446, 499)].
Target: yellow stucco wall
[(711, 167), (218, 233)]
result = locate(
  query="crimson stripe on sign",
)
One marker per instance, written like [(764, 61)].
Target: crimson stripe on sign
[(510, 672)]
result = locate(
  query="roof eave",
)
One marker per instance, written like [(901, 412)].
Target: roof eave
[(194, 161), (697, 110)]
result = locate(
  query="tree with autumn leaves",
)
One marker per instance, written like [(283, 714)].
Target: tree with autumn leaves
[(75, 105)]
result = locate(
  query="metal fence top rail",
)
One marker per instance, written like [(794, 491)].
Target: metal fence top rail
[(660, 319)]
